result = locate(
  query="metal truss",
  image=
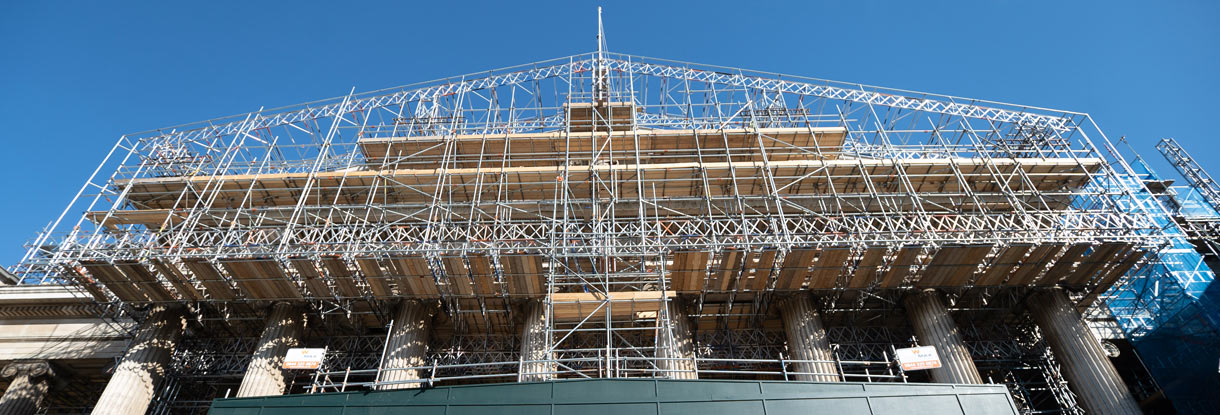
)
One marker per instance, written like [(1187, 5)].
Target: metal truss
[(1194, 174), (323, 137)]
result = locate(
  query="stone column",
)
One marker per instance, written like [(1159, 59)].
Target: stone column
[(135, 380), (1088, 371), (535, 345), (807, 339), (265, 376), (408, 345), (935, 327), (31, 380), (676, 345)]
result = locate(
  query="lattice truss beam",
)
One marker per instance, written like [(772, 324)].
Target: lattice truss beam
[(597, 174)]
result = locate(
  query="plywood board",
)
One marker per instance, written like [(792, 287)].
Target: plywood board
[(758, 269), (215, 285), (145, 280), (414, 277), (261, 278), (339, 273), (112, 279), (728, 266), (953, 265), (906, 258), (1109, 276), (182, 284), (689, 270), (866, 270), (795, 269), (90, 284), (315, 284), (826, 270), (1102, 257), (1001, 267), (524, 273), (378, 281), (457, 276), (1063, 265), (482, 275), (1033, 264)]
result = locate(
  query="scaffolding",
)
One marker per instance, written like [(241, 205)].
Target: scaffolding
[(612, 188), (1167, 307)]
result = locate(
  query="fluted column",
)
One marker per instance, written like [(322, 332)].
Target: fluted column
[(134, 382), (1088, 371), (31, 380), (676, 345), (408, 345), (935, 327), (807, 340), (535, 345), (265, 375)]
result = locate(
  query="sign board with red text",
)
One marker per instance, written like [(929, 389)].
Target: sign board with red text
[(918, 358), (299, 358)]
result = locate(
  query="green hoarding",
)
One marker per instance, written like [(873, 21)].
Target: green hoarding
[(643, 396)]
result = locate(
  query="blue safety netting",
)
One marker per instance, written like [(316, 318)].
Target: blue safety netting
[(1168, 307)]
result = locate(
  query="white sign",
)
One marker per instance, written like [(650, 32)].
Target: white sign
[(304, 358), (918, 358)]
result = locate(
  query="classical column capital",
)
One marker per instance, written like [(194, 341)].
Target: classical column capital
[(788, 301), (30, 368)]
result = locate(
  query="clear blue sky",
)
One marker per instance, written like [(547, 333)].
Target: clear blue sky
[(74, 76)]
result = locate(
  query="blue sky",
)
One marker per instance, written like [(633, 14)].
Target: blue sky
[(74, 76)]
